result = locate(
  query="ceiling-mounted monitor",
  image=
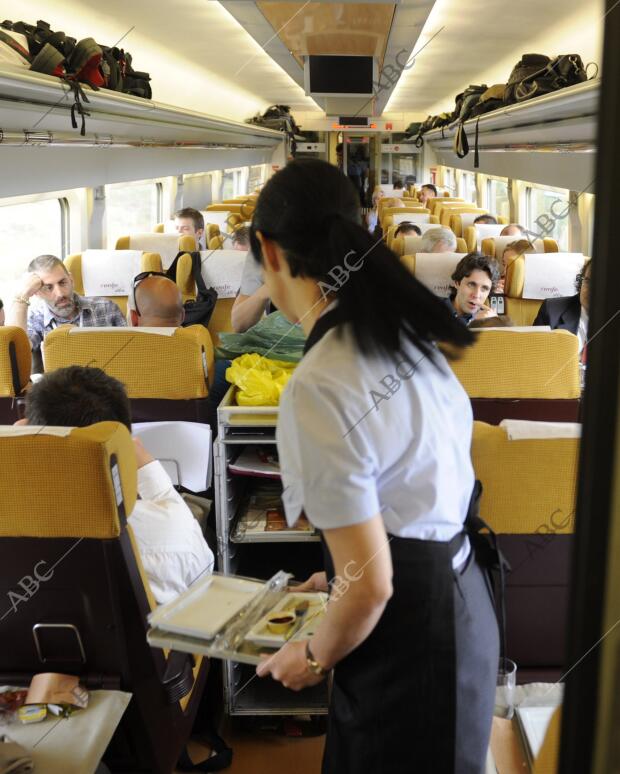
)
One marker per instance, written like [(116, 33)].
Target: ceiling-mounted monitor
[(340, 76)]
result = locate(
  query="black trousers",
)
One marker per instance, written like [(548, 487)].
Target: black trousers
[(417, 696)]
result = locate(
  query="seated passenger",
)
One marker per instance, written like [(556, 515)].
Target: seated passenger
[(372, 217), (49, 280), (398, 184), (438, 240), (512, 229), (173, 550), (474, 278), (570, 313), (190, 222), (156, 302), (253, 298), (240, 239), (1, 312), (428, 191), (511, 252), (407, 229), (485, 220)]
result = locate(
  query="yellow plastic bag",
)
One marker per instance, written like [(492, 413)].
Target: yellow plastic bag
[(260, 381)]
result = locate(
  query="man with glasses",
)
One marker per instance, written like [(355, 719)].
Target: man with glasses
[(58, 303)]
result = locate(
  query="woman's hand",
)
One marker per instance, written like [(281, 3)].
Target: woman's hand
[(289, 666), (316, 582)]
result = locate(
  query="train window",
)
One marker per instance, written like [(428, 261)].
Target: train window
[(131, 208), (228, 184), (197, 190), (497, 198), (256, 177), (547, 213), (27, 230), (468, 187)]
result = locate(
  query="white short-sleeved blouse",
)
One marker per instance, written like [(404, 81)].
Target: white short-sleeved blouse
[(362, 434)]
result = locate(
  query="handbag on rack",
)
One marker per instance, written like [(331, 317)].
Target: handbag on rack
[(197, 312), (536, 74)]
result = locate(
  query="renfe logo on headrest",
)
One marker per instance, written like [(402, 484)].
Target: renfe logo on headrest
[(441, 290), (553, 291)]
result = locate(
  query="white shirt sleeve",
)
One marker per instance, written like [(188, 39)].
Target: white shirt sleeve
[(172, 547), (327, 472)]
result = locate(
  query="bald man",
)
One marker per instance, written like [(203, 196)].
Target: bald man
[(157, 303)]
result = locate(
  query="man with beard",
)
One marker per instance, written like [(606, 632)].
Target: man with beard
[(49, 280)]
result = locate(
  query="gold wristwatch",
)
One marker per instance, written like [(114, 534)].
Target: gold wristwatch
[(22, 300), (313, 665)]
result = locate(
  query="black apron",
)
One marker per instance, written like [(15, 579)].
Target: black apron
[(417, 696)]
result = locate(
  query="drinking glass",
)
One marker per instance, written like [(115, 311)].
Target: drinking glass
[(505, 691)]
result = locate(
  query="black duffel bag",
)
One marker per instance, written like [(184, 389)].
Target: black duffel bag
[(197, 312), (536, 74)]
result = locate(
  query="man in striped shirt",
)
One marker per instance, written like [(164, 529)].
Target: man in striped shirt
[(59, 304)]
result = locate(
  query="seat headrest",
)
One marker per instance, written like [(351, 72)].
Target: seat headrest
[(149, 364), (222, 270), (533, 364), (435, 271), (109, 272), (543, 275), (66, 482), (15, 361), (496, 245), (510, 503), (418, 218), (167, 245)]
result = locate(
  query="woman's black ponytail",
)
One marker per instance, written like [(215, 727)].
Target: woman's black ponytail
[(312, 211)]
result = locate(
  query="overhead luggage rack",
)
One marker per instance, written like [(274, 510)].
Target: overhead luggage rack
[(564, 117), (38, 104)]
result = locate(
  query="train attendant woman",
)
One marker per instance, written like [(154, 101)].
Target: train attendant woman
[(374, 440)]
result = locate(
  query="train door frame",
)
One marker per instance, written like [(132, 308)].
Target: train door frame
[(588, 740)]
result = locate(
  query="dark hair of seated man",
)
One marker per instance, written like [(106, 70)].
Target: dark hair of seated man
[(195, 216), (77, 396), (485, 220), (407, 229), (241, 238)]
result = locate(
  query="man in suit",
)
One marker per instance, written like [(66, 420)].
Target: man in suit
[(569, 313)]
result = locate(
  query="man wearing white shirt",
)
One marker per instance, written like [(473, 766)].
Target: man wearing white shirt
[(173, 550)]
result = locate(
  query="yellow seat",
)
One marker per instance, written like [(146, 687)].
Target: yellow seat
[(112, 259), (410, 245), (15, 364), (438, 201), (221, 320), (433, 270), (521, 375), (478, 233), (217, 242), (445, 213), (495, 246), (547, 760), (165, 245), (87, 611), (522, 307), (528, 499), (166, 376)]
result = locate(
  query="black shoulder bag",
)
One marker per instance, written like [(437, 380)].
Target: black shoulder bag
[(197, 312)]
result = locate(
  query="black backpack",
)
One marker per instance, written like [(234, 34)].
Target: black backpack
[(528, 65), (197, 312), (527, 82)]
